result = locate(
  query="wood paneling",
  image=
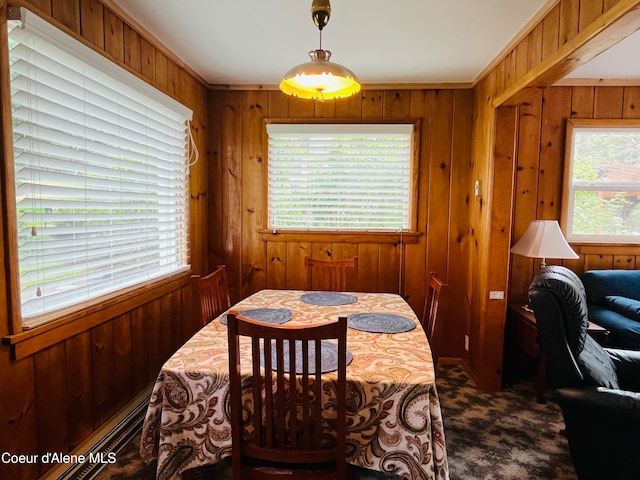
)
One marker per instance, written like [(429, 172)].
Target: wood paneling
[(549, 110), (81, 373), (256, 262), (571, 33)]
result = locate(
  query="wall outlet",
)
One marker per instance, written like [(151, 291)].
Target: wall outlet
[(466, 342), (496, 295), (477, 186)]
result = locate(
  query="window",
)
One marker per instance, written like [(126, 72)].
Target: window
[(100, 160), (602, 181), (340, 177)]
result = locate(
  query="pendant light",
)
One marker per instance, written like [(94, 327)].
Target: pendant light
[(320, 79)]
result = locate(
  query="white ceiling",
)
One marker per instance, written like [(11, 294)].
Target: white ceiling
[(253, 42), (620, 62)]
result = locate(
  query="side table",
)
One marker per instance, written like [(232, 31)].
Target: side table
[(523, 332)]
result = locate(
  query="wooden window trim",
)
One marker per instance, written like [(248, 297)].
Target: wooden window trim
[(566, 185), (372, 237), (85, 316), (339, 237)]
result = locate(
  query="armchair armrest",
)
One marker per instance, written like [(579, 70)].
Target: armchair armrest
[(627, 363), (601, 402)]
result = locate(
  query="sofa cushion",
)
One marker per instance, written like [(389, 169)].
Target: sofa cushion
[(623, 332), (628, 307), (602, 283)]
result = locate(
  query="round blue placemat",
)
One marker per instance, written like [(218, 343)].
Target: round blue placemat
[(380, 322), (327, 298), (275, 316), (329, 361)]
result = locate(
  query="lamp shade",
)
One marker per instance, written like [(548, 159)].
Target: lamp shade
[(543, 239), (320, 79)]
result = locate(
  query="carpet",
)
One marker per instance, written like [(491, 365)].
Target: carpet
[(497, 436)]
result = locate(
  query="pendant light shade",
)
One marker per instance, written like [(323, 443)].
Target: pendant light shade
[(320, 79)]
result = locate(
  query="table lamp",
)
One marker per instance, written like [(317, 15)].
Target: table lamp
[(543, 239)]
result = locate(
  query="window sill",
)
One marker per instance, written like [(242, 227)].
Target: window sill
[(90, 314), (343, 237)]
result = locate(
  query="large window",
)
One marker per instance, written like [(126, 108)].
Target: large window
[(602, 181), (340, 177), (100, 163)]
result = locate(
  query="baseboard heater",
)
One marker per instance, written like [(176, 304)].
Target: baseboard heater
[(108, 444)]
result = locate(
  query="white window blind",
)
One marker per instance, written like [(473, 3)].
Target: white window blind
[(344, 177), (100, 169)]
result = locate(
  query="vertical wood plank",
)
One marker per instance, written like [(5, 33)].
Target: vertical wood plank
[(278, 104), (231, 188), (551, 32), (368, 267), (535, 46), (68, 14), (296, 251), (51, 401), (18, 420), (415, 269), (526, 189), (522, 57), (455, 303), (569, 20), (148, 60), (350, 107), (92, 22), (154, 336), (631, 102), (139, 355), (608, 102), (624, 262), (589, 11), (277, 265), (440, 183), (123, 360), (102, 373), (254, 152), (582, 102), (397, 103), (556, 107), (114, 36), (372, 103), (80, 388), (598, 262), (132, 50)]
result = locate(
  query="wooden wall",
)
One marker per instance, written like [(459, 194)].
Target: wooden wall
[(540, 166), (70, 379), (238, 211), (569, 33)]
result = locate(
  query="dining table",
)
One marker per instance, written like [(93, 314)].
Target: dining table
[(394, 419)]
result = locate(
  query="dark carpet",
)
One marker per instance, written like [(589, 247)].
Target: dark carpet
[(497, 436)]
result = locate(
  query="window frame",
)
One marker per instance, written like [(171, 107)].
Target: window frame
[(90, 311), (566, 214), (409, 235)]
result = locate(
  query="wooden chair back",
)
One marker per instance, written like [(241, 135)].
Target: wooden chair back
[(291, 432), (430, 312), (211, 294), (328, 275)]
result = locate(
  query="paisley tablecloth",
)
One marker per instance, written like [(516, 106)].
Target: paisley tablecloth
[(393, 414)]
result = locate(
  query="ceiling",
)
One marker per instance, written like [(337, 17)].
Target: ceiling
[(253, 42)]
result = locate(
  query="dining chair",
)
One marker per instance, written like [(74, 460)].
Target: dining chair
[(328, 275), (211, 293), (430, 312), (297, 433)]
